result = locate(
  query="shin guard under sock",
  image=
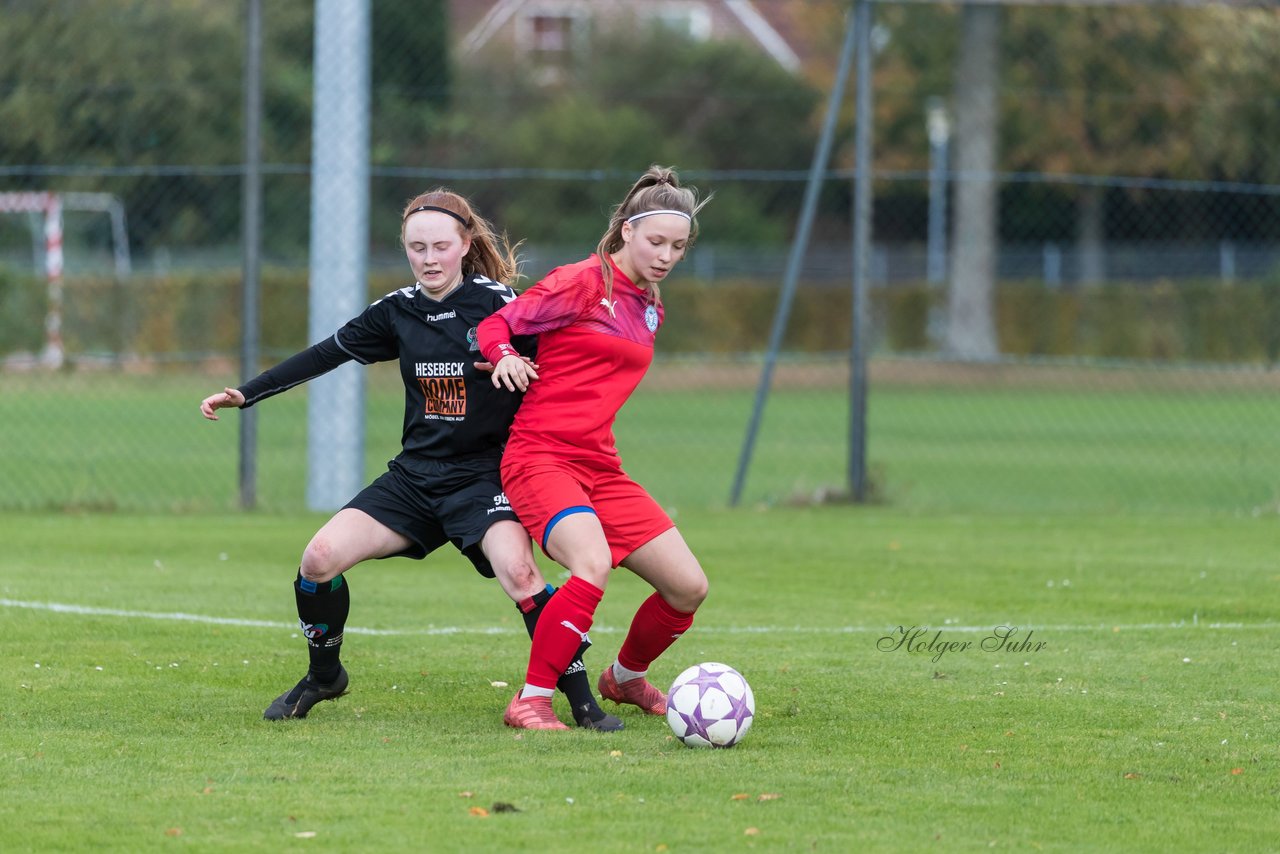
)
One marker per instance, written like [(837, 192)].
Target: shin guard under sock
[(561, 630), (654, 628), (322, 612)]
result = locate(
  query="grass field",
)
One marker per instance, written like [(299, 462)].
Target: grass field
[(1126, 530), (1199, 445), (1148, 721)]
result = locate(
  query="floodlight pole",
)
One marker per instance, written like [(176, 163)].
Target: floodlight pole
[(251, 238), (861, 257), (938, 125), (339, 244), (799, 245)]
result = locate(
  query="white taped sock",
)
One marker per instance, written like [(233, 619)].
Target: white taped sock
[(622, 674)]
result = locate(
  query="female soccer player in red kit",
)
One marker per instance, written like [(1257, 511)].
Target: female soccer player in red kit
[(595, 321)]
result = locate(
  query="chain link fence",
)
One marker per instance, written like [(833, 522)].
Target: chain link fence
[(1125, 308)]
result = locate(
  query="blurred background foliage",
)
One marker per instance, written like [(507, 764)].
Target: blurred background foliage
[(1158, 92)]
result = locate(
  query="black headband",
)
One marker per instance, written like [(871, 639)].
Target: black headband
[(458, 217)]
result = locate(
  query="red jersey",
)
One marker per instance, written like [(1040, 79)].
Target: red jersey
[(591, 355)]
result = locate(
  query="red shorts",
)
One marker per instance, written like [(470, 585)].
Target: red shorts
[(543, 492)]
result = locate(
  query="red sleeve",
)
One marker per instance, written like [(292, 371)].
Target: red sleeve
[(494, 337), (554, 303)]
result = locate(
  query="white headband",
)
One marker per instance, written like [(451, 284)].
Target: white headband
[(644, 214)]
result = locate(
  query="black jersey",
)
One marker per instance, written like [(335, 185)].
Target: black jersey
[(451, 409)]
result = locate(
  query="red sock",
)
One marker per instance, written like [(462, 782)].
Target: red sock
[(655, 627), (561, 629)]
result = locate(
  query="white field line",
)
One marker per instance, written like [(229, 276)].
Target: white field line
[(178, 616)]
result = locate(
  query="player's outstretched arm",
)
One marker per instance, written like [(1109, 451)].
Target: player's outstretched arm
[(226, 397)]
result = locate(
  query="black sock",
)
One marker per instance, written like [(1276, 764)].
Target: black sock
[(573, 683), (322, 612)]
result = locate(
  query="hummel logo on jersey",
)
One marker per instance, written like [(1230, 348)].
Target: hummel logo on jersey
[(571, 627), (609, 305), (444, 315)]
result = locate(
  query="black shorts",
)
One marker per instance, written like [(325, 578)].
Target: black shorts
[(433, 502)]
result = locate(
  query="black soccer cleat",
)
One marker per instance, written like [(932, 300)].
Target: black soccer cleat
[(297, 702), (593, 717)]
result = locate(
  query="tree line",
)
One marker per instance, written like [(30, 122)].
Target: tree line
[(134, 91)]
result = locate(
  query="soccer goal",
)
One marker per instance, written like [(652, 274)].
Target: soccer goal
[(51, 206)]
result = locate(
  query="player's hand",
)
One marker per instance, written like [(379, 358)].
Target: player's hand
[(226, 397), (514, 372)]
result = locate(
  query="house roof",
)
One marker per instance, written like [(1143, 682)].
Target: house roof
[(765, 33), (479, 22)]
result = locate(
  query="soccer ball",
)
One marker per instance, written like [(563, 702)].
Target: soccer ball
[(710, 705)]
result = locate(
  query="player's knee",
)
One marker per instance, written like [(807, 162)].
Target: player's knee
[(593, 568), (521, 577), (319, 563), (699, 591), (690, 593)]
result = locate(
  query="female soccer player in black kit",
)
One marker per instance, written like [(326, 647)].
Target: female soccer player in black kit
[(445, 485)]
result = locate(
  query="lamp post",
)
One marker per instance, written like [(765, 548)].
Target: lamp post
[(938, 124)]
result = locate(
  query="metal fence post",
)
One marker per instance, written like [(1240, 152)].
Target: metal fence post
[(821, 156), (861, 258), (339, 244)]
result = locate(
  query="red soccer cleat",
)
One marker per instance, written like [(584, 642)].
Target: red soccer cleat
[(637, 692), (531, 713)]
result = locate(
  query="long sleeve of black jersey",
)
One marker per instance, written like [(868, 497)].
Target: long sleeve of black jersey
[(297, 369), (367, 338)]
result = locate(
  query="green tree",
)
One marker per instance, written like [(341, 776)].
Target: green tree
[(119, 84), (632, 100), (1152, 91), (152, 95), (1100, 92), (156, 88), (1237, 121)]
